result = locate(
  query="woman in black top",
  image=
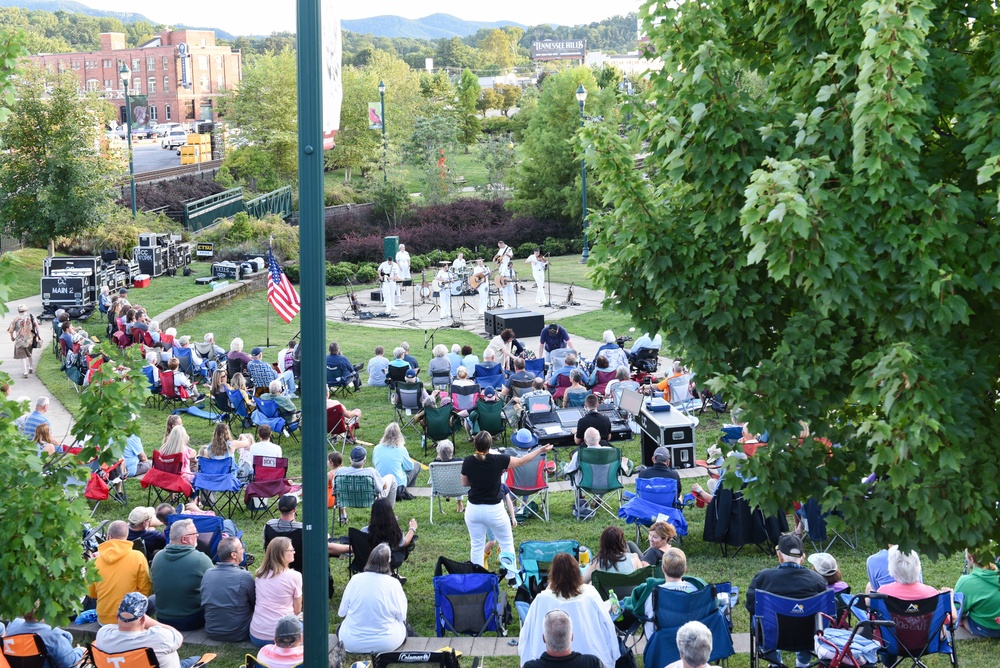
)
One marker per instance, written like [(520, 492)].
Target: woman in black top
[(482, 473)]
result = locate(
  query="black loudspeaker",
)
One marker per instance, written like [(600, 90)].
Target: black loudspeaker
[(525, 324)]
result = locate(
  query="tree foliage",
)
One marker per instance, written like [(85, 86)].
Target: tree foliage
[(824, 248), (468, 90), (54, 178), (428, 149), (496, 153)]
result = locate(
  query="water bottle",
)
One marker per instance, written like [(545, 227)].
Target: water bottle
[(616, 608), (734, 597), (722, 600)]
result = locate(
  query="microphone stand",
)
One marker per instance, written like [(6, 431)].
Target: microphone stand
[(548, 285)]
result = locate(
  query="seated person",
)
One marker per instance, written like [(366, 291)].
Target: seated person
[(236, 353), (140, 525), (176, 573), (287, 650), (228, 594), (621, 375), (576, 387), (208, 349), (338, 365), (397, 358), (455, 358), (446, 453), (601, 364), (462, 377), (182, 381), (676, 371), (489, 404), (611, 351), (645, 341), (826, 565), (348, 412), (981, 588), (136, 630), (469, 360), (411, 377), (489, 366), (378, 368), (384, 487), (613, 555), (538, 400), (904, 567), (519, 376), (661, 534), (383, 527), (570, 363), (674, 568), (58, 642), (263, 373), (152, 363), (374, 607), (276, 393), (694, 646)]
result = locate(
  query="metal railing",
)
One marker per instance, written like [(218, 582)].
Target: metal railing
[(277, 202)]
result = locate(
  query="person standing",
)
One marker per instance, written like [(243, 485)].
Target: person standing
[(538, 266), (23, 331), (459, 263), (481, 274), (444, 278), (388, 273), (507, 292), (403, 262)]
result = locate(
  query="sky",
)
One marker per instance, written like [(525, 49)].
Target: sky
[(262, 17)]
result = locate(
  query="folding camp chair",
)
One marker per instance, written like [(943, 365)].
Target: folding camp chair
[(121, 339), (819, 529), (239, 405), (622, 585), (446, 482), (340, 379), (171, 396), (528, 483), (155, 388), (217, 484), (469, 603), (164, 479), (221, 403), (653, 497), (599, 475), (557, 359), (576, 399), (787, 624), (919, 627), (674, 608), (489, 417), (535, 366), (268, 413), (438, 659), (395, 374), (338, 424), (616, 391), (407, 403), (211, 529), (464, 397), (268, 484), (562, 383), (603, 378), (535, 557), (354, 491), (518, 388), (361, 549), (185, 357), (135, 658), (235, 366), (441, 379), (25, 650), (495, 381), (680, 393), (439, 424), (107, 482)]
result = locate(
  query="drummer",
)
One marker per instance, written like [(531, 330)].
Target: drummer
[(444, 281), (458, 266)]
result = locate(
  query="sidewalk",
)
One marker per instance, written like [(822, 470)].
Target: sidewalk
[(31, 386)]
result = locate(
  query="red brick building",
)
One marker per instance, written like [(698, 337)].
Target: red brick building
[(158, 68)]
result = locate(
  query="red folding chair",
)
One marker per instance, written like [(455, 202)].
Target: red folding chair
[(165, 478), (268, 484), (338, 424)]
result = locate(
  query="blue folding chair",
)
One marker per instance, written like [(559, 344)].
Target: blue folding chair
[(919, 627), (239, 406), (653, 497), (535, 557), (267, 413), (218, 484), (469, 604), (535, 366), (186, 360), (673, 608), (496, 382), (787, 624)]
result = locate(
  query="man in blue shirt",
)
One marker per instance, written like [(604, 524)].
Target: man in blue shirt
[(58, 643), (136, 461), (553, 337), (337, 365), (645, 341), (378, 367), (410, 359), (455, 358), (36, 417), (263, 373)]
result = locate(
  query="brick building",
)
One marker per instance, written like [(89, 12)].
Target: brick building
[(157, 69)]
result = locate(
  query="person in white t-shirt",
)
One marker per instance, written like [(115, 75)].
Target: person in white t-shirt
[(444, 279), (403, 261), (264, 447), (373, 607), (135, 630)]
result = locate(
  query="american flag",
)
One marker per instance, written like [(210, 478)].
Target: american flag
[(281, 293)]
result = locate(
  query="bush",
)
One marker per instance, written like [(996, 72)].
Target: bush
[(120, 233), (495, 125), (340, 193), (367, 273), (417, 263), (292, 272), (337, 274), (526, 249), (253, 233)]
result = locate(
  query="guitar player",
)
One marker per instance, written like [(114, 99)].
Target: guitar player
[(479, 281)]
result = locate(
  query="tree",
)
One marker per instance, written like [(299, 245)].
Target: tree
[(547, 180), (496, 153), (454, 53), (54, 181), (826, 251), (509, 95), (263, 107), (468, 97), (490, 99), (497, 49), (432, 139)]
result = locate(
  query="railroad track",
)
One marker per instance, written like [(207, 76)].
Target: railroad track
[(183, 170)]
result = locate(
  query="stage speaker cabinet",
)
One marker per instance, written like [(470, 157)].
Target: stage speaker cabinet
[(226, 270), (524, 324), (490, 321), (150, 260), (375, 296), (149, 239), (66, 290)]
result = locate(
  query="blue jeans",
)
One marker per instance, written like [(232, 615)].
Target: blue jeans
[(288, 378), (190, 661), (981, 631), (257, 642)]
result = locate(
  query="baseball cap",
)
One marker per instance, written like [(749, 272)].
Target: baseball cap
[(288, 629), (790, 545), (184, 340), (411, 373), (141, 514), (358, 454), (123, 291), (824, 563), (489, 392), (256, 351), (21, 308), (288, 503), (661, 454), (132, 607)]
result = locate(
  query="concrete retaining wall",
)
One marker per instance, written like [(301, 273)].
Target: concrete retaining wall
[(212, 300)]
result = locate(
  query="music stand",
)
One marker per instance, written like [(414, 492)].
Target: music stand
[(413, 303)]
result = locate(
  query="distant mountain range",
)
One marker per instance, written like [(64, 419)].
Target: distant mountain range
[(124, 17), (435, 26)]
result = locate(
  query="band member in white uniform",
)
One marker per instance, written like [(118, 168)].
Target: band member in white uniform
[(538, 265), (388, 271), (403, 262), (444, 280), (508, 293), (459, 263), (504, 252), (482, 274)]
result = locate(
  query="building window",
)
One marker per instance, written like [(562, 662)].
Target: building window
[(150, 63), (204, 83), (106, 62), (220, 62), (75, 64), (109, 84), (166, 111), (89, 64), (166, 84), (220, 82), (61, 67), (202, 62), (135, 64), (152, 113), (137, 86), (151, 85), (93, 84), (166, 62)]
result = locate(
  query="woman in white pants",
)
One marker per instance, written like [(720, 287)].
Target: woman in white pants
[(482, 473)]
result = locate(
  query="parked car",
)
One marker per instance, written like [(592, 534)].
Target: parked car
[(174, 138), (163, 129)]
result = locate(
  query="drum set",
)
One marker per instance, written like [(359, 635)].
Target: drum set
[(459, 285)]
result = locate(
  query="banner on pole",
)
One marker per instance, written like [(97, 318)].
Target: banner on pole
[(333, 93), (374, 116), (139, 111)]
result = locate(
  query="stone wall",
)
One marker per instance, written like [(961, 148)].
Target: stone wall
[(212, 300)]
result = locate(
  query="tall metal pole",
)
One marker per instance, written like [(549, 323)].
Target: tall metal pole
[(385, 146), (128, 129), (315, 560), (581, 96)]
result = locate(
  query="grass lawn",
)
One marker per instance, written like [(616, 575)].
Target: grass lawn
[(448, 536), (27, 274), (568, 269), (462, 166)]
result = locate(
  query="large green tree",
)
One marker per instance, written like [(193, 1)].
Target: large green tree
[(468, 90), (547, 181), (825, 248), (54, 179)]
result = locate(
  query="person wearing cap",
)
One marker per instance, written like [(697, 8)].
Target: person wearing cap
[(176, 572), (482, 473), (228, 594), (23, 330), (287, 650), (378, 368), (287, 525), (661, 467), (553, 337), (123, 297), (263, 373), (443, 278), (140, 523), (789, 579), (489, 407), (826, 565), (120, 569), (385, 487), (137, 630), (391, 459)]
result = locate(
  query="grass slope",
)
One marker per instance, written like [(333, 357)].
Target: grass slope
[(28, 274)]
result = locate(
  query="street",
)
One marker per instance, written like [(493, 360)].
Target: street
[(148, 156)]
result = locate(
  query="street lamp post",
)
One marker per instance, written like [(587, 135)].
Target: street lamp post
[(125, 73), (385, 147), (625, 87), (581, 97)]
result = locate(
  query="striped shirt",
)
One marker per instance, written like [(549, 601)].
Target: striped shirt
[(31, 423)]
